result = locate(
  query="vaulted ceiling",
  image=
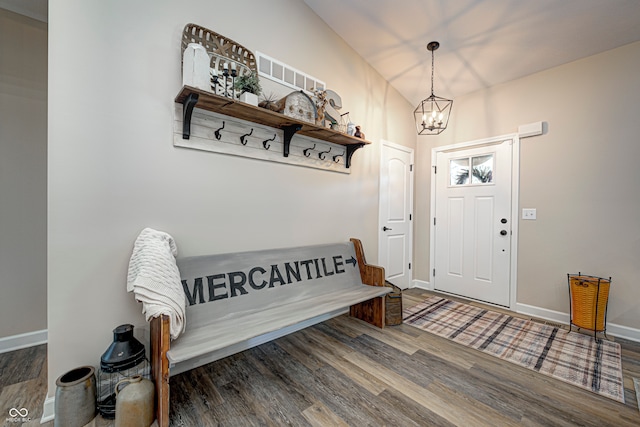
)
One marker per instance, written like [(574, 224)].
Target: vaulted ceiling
[(482, 42)]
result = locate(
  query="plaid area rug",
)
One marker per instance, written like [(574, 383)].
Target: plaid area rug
[(577, 359)]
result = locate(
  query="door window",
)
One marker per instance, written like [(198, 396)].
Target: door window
[(459, 171), (481, 170)]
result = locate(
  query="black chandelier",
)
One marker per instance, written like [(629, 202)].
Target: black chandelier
[(432, 114)]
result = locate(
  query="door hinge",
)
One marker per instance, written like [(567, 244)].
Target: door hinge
[(409, 266), (435, 169), (434, 220), (409, 217), (410, 168), (434, 272)]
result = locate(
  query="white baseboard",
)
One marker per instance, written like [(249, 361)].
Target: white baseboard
[(29, 339), (542, 313), (421, 284), (48, 409), (613, 329), (625, 332)]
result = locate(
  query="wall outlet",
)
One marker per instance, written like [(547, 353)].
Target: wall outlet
[(528, 214)]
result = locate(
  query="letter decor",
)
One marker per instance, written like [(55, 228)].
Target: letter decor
[(223, 134), (328, 103), (233, 284)]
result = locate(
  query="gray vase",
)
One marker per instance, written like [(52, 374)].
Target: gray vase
[(135, 402), (75, 403)]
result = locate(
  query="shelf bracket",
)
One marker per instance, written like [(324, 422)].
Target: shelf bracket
[(187, 109), (350, 150), (289, 131)]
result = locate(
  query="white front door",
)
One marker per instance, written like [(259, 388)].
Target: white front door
[(473, 222), (395, 213)]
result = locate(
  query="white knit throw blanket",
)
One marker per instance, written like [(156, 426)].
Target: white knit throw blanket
[(154, 278)]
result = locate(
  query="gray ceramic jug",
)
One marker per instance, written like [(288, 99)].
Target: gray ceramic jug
[(134, 402), (75, 403)]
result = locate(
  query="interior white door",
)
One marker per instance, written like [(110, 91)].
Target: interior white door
[(473, 222), (395, 213)]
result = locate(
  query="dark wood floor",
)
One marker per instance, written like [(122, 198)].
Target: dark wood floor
[(23, 382), (345, 372)]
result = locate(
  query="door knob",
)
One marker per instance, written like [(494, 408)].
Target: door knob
[(503, 232), (385, 228)]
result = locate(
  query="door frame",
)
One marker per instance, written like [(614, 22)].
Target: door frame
[(515, 203), (411, 151)]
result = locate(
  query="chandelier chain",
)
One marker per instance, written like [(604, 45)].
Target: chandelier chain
[(432, 73)]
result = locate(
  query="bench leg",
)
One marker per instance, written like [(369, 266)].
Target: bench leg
[(372, 311), (160, 340)]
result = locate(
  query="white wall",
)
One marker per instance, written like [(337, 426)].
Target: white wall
[(23, 174), (113, 169), (582, 175)]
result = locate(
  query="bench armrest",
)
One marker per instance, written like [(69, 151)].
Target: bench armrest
[(370, 274), (372, 311)]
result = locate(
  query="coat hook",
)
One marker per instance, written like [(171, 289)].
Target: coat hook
[(321, 155), (307, 151), (336, 158), (266, 144), (217, 132), (243, 140)]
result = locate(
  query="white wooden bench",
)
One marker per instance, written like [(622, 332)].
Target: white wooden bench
[(238, 301)]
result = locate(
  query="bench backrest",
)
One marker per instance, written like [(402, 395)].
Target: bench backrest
[(219, 285)]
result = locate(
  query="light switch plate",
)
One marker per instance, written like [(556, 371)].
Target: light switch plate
[(528, 214)]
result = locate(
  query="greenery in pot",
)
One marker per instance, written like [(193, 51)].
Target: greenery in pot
[(248, 83)]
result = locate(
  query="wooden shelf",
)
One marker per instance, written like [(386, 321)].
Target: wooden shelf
[(191, 98)]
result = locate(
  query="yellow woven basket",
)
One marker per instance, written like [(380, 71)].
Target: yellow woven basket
[(589, 297)]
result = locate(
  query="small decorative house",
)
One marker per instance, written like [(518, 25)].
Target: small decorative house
[(298, 105)]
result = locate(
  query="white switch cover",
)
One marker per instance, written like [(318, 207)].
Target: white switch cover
[(528, 214)]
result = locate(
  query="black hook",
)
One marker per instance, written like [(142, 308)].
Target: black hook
[(336, 158), (266, 144), (217, 133), (321, 155), (307, 151), (243, 137)]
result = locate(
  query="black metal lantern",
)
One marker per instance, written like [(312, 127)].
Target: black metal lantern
[(124, 358), (432, 114)]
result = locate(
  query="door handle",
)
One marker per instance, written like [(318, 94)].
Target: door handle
[(503, 232), (385, 228)]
